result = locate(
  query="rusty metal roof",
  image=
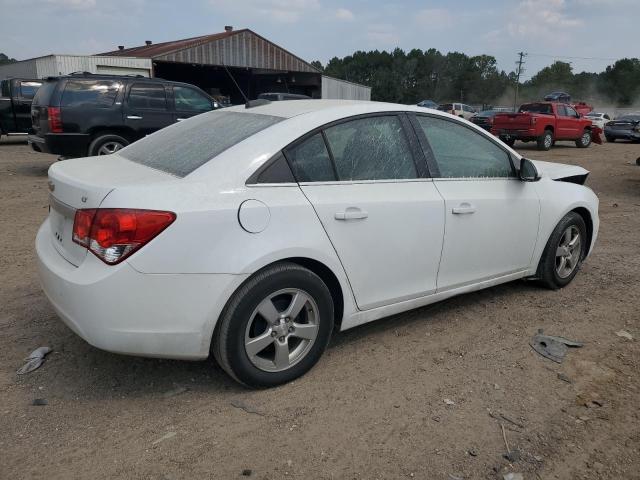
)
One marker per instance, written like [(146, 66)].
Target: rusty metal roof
[(156, 49)]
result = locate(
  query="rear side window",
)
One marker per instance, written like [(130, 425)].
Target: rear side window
[(148, 96), (43, 95), (310, 160), (461, 152), (4, 88), (185, 146), (373, 148), (97, 93), (28, 89)]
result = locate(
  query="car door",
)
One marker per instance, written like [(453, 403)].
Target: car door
[(25, 91), (491, 218), (189, 102), (146, 108), (366, 179), (566, 123)]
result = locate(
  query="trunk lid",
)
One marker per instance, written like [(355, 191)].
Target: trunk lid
[(85, 183)]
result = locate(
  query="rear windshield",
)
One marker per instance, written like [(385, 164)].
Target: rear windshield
[(100, 93), (44, 93), (183, 147), (536, 108)]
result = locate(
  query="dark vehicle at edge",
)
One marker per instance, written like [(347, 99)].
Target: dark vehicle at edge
[(16, 95), (90, 114), (429, 104), (277, 96), (561, 97), (626, 127), (484, 118)]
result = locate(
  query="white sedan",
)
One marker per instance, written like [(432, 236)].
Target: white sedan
[(598, 119), (253, 233)]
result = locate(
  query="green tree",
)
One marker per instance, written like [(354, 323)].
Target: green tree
[(5, 59)]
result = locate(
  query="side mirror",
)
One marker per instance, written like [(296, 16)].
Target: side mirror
[(528, 171)]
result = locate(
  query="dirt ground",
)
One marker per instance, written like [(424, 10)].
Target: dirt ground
[(374, 407)]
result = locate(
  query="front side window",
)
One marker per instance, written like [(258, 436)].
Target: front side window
[(372, 148), (147, 96), (570, 112), (463, 153), (310, 160), (189, 99), (28, 89), (98, 93)]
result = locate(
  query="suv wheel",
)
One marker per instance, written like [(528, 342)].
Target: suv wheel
[(106, 144), (545, 141), (275, 327)]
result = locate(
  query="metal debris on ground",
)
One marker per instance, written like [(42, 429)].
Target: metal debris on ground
[(246, 472), (448, 401), (513, 476), (564, 377), (174, 392), (551, 347), (624, 334), (166, 436), (247, 408), (34, 360), (39, 402)]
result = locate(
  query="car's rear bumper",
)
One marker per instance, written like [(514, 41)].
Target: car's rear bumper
[(119, 309), (517, 133), (66, 144)]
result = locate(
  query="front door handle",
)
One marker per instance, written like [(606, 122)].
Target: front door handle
[(464, 209), (134, 117), (351, 213)]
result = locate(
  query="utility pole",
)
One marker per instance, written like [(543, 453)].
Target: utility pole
[(519, 71)]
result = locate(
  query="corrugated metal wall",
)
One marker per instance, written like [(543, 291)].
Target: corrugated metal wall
[(53, 65), (242, 50), (24, 69), (333, 88)]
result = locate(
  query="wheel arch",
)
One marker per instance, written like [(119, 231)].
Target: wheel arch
[(588, 221), (551, 128), (125, 132)]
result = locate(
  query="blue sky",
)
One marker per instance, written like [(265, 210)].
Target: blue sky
[(321, 29)]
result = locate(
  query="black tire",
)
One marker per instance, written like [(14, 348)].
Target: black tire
[(509, 141), (104, 142), (545, 141), (228, 344), (610, 139), (547, 273), (585, 140)]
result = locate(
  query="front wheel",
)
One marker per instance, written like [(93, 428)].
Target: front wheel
[(585, 140), (564, 252), (545, 141), (275, 327)]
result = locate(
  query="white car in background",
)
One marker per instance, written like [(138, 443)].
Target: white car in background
[(598, 119), (458, 110), (253, 233)]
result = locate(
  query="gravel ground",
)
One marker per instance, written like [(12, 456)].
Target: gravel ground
[(374, 407)]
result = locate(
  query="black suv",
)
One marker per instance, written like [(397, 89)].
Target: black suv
[(85, 114)]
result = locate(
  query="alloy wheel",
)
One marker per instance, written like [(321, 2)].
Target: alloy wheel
[(568, 252), (281, 330), (108, 148)]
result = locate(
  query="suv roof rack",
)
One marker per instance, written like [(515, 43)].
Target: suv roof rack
[(90, 74), (256, 103)]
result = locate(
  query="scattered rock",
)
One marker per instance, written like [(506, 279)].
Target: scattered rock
[(455, 476), (624, 334), (513, 476), (448, 401), (246, 472), (473, 452), (537, 458), (40, 402), (172, 393), (166, 436)]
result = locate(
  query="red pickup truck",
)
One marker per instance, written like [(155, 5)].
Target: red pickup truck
[(544, 123)]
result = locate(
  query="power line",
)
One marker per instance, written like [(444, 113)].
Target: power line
[(519, 71), (568, 56)]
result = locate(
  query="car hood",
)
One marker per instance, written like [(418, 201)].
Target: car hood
[(560, 171)]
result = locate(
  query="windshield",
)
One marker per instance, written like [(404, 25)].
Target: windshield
[(536, 108), (183, 147), (593, 114)]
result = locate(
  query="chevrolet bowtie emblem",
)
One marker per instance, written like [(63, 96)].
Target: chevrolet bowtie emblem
[(52, 186)]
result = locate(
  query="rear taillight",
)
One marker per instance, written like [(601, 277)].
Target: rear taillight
[(55, 120), (112, 234)]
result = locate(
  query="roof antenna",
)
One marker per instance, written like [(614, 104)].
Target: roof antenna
[(236, 84)]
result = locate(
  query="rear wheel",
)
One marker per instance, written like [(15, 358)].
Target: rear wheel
[(545, 141), (585, 140), (509, 141), (106, 144), (564, 252), (275, 327)]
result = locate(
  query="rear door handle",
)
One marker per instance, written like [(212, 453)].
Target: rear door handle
[(134, 117), (351, 213), (464, 209)]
